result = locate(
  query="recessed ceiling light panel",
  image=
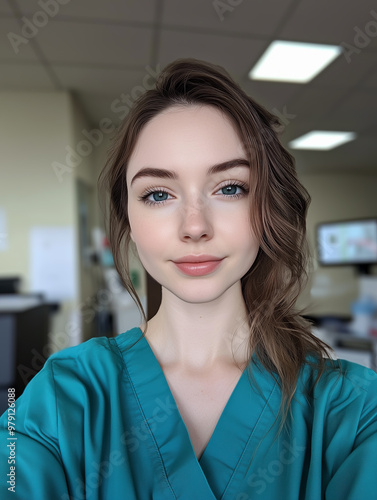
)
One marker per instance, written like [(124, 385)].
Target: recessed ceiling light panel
[(293, 61), (322, 139)]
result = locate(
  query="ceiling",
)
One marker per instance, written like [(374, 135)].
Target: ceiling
[(101, 49)]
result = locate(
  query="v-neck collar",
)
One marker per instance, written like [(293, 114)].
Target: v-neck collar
[(241, 425)]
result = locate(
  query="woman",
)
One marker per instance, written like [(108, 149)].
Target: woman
[(224, 393)]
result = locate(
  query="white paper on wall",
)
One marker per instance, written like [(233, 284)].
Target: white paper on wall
[(4, 238), (53, 262)]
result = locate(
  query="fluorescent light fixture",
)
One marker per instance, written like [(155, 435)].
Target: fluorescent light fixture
[(321, 139), (293, 61)]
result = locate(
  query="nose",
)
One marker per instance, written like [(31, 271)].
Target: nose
[(195, 219)]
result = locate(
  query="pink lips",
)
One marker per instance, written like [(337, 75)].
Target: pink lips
[(198, 265)]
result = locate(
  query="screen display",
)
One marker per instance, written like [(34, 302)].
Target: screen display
[(350, 242)]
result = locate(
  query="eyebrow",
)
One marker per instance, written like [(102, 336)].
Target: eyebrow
[(168, 174)]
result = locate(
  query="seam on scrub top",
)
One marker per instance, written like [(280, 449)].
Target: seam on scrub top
[(145, 420), (56, 404), (57, 426), (57, 414), (249, 439)]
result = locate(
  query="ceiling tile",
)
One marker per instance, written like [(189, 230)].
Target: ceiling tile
[(358, 109), (327, 22), (347, 72), (115, 10), (236, 55), (256, 18), (95, 43), (14, 46), (272, 95), (316, 102), (371, 81), (355, 156), (99, 107), (5, 9), (105, 81), (361, 153), (24, 77), (338, 120)]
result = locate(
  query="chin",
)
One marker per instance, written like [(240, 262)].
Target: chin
[(197, 291)]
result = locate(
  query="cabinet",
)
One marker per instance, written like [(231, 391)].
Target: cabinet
[(24, 327)]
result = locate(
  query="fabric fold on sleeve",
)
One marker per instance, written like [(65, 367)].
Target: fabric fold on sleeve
[(39, 472), (356, 477)]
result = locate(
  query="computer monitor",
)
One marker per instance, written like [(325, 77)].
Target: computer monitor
[(348, 242)]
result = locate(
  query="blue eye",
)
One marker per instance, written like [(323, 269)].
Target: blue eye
[(158, 201), (232, 187), (158, 195)]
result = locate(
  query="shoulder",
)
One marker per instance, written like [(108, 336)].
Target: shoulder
[(342, 416), (98, 357), (347, 376), (342, 385), (75, 375), (91, 353), (338, 375), (105, 347)]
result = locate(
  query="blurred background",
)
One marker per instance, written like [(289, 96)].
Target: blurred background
[(69, 73)]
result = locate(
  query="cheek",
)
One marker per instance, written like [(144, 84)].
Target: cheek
[(237, 223), (245, 239), (139, 224), (148, 236)]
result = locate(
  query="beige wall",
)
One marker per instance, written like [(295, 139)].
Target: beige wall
[(331, 290), (33, 128)]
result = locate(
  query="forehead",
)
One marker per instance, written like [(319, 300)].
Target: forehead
[(184, 136)]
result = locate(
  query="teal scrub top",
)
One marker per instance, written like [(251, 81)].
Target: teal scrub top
[(99, 422)]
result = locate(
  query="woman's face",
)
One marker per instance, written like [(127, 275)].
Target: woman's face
[(194, 213)]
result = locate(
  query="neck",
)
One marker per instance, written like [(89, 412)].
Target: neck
[(202, 336)]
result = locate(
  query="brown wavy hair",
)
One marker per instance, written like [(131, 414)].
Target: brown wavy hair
[(279, 336)]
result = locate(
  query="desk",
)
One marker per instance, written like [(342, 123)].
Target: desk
[(24, 327), (361, 350)]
